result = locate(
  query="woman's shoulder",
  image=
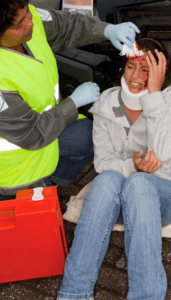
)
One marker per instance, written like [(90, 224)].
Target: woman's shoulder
[(106, 93), (167, 95), (106, 97)]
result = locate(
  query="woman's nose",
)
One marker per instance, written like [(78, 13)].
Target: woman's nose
[(136, 74)]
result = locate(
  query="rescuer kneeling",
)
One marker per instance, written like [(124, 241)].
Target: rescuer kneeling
[(43, 141)]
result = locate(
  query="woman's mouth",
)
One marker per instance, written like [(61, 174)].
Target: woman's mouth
[(135, 84)]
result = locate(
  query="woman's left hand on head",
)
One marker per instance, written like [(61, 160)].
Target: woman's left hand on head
[(156, 71)]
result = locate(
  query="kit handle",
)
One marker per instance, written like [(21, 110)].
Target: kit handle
[(37, 194)]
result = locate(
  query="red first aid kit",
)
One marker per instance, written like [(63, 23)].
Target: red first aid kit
[(32, 236)]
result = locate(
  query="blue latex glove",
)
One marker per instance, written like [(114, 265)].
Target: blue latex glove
[(121, 33), (86, 93)]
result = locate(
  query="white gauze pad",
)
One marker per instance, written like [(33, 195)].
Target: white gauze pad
[(135, 52)]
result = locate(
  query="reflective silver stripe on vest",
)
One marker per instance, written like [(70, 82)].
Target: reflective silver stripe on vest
[(48, 107), (7, 146), (56, 95)]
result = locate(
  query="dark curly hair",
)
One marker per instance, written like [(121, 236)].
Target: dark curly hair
[(8, 11), (148, 44)]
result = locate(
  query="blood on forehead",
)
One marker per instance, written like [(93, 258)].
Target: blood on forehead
[(141, 61)]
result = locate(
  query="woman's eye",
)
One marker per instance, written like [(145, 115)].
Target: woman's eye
[(145, 71)]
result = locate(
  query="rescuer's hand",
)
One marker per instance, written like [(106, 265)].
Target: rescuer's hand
[(86, 93), (149, 164), (120, 34)]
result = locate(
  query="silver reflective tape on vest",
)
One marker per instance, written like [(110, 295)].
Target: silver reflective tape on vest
[(7, 146), (56, 95), (48, 107)]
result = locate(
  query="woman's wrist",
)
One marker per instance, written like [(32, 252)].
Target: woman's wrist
[(154, 90)]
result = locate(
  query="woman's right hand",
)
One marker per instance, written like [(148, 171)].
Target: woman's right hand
[(149, 164)]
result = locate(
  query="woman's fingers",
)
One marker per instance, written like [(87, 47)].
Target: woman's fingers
[(164, 62), (148, 161), (156, 71), (155, 165), (152, 59), (137, 160), (149, 164)]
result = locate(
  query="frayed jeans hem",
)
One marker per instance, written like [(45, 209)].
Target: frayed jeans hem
[(69, 296)]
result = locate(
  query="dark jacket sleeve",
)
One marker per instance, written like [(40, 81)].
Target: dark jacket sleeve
[(26, 128), (69, 30)]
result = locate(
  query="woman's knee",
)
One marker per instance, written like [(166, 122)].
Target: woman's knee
[(138, 178), (107, 184), (103, 196), (138, 185)]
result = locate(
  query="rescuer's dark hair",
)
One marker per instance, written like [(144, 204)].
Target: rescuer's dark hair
[(147, 44), (8, 11)]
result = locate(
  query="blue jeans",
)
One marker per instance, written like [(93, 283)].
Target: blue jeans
[(145, 203)]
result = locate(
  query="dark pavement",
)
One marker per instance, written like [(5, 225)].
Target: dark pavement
[(112, 283)]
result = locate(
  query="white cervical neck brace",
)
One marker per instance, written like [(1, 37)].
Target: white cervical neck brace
[(131, 100)]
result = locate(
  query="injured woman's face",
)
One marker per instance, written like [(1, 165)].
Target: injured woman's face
[(136, 73)]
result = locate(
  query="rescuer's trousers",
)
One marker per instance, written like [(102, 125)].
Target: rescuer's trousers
[(75, 151)]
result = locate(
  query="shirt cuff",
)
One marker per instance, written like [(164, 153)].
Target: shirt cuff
[(129, 168), (69, 110), (98, 32)]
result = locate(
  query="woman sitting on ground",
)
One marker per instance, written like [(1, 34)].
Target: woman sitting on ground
[(132, 146)]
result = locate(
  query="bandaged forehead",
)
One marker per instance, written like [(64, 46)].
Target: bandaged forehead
[(132, 53)]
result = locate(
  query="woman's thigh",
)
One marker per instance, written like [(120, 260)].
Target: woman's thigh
[(160, 185), (163, 187), (102, 198)]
